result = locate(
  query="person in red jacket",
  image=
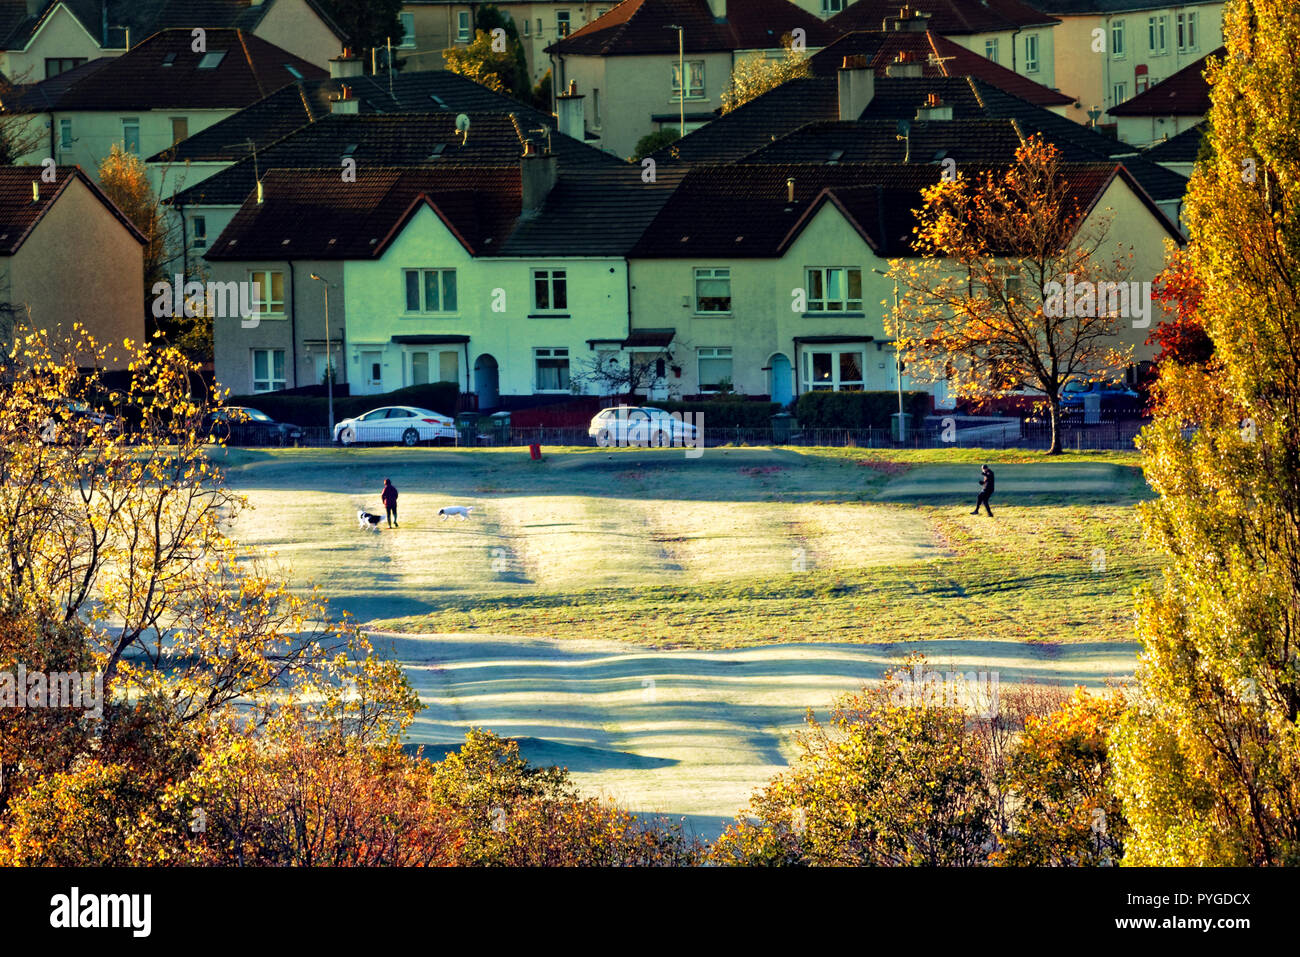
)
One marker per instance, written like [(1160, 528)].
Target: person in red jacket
[(389, 497)]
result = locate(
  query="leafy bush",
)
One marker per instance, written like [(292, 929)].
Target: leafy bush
[(314, 410), (726, 415), (857, 410)]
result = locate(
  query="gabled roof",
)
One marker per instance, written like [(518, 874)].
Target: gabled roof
[(1185, 93), (744, 211), (877, 141), (313, 214), (17, 26), (164, 72), (937, 55), (293, 107), (399, 140), (793, 106), (949, 17), (640, 27), (19, 214), (1183, 148)]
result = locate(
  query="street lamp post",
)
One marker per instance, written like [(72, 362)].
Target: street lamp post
[(681, 76), (329, 354)]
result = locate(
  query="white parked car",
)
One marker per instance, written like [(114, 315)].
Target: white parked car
[(395, 423), (639, 425)]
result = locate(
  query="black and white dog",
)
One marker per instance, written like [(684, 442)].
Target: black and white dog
[(366, 520), (449, 510)]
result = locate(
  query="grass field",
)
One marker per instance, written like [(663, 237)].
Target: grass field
[(660, 624)]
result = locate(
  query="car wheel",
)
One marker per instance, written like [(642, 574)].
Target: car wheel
[(410, 438), (604, 438), (662, 439), (347, 436)]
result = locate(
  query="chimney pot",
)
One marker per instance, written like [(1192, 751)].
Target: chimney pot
[(789, 190)]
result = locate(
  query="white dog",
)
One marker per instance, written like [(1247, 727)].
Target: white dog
[(366, 520), (462, 510)]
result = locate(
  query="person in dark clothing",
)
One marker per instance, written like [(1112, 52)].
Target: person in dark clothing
[(986, 491), (389, 497)]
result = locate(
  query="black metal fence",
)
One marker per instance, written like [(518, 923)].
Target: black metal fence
[(1104, 436)]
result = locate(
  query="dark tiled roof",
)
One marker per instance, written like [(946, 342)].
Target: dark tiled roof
[(937, 55), (946, 16), (146, 17), (292, 107), (313, 214), (163, 73), (593, 213), (741, 211), (877, 141), (640, 27), (1074, 8), (426, 139), (1183, 148), (1185, 93), (19, 214), (38, 97), (791, 107)]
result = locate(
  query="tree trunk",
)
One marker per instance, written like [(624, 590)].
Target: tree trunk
[(1054, 411)]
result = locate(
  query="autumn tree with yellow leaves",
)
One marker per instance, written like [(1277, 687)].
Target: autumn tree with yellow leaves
[(1208, 759), (973, 310)]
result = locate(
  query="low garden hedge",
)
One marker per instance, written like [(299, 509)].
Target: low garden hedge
[(858, 410)]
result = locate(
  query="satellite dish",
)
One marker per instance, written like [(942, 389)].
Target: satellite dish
[(462, 122)]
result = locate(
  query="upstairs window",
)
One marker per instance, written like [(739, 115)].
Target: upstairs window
[(834, 289), (430, 290)]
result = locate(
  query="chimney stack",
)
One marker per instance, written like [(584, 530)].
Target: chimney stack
[(905, 65), (570, 114), (345, 102), (907, 21), (933, 109), (537, 173), (857, 85), (789, 190), (345, 65)]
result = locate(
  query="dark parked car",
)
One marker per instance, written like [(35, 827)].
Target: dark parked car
[(72, 421), (238, 425), (1114, 399)]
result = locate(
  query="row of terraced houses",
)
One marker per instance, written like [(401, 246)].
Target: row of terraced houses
[(452, 233)]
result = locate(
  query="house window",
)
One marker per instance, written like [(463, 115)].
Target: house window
[(834, 369), (180, 129), (1031, 53), (54, 65), (695, 79), (1187, 31), (1117, 39), (210, 61), (595, 107), (561, 23), (832, 6), (65, 134), (199, 230), (552, 369), (445, 364), (131, 134), (1118, 94), (550, 290), (715, 368), (268, 297), (713, 290), (1156, 29), (430, 290), (539, 29), (601, 11), (408, 30), (528, 26), (834, 289), (463, 27), (991, 49), (268, 370)]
